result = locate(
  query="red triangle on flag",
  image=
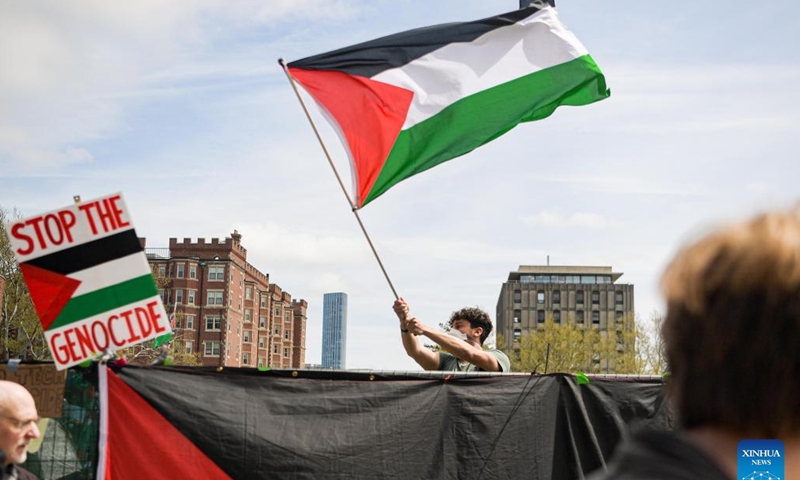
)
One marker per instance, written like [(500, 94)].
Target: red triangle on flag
[(144, 444), (370, 114), (50, 291)]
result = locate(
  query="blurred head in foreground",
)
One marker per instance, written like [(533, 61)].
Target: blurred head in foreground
[(732, 330)]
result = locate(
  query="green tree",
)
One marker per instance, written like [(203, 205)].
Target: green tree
[(630, 347), (21, 334), (175, 350), (653, 344)]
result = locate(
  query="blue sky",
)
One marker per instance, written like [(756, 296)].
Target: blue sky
[(183, 107)]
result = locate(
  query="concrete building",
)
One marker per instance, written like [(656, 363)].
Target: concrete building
[(586, 295), (334, 330), (228, 311)]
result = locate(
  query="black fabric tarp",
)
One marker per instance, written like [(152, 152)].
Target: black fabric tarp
[(357, 425)]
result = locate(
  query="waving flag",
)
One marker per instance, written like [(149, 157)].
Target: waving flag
[(410, 101)]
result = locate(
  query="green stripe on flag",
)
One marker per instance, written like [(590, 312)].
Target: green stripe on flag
[(106, 299), (484, 116)]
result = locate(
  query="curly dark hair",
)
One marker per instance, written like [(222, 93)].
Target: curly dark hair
[(476, 318)]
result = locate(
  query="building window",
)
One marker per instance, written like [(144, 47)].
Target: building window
[(579, 316), (181, 270), (278, 311), (190, 296), (216, 272), (211, 349), (246, 358), (275, 349), (190, 322), (287, 317), (517, 296), (618, 298), (579, 297), (620, 342), (246, 336), (260, 362), (179, 296), (286, 334), (619, 317), (595, 317), (193, 271), (540, 298), (214, 297), (261, 342), (517, 334), (540, 316), (286, 352), (557, 316), (595, 298), (277, 330), (557, 297), (213, 323), (263, 301), (517, 316), (189, 347), (163, 294), (162, 270), (262, 322), (248, 315), (248, 293)]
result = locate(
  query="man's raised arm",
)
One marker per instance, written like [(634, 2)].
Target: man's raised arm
[(425, 358)]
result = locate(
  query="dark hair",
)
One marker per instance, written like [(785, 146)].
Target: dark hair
[(476, 318), (731, 330)]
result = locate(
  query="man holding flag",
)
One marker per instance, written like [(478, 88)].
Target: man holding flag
[(463, 346)]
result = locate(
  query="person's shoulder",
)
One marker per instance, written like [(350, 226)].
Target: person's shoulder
[(502, 359), (23, 474), (658, 455)]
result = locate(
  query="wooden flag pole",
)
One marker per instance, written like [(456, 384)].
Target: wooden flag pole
[(338, 178)]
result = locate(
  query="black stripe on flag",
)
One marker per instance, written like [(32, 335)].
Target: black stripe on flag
[(90, 254), (373, 57)]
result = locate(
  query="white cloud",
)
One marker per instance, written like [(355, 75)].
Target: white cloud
[(75, 73), (556, 219)]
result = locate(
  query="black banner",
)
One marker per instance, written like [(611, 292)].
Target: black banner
[(312, 424)]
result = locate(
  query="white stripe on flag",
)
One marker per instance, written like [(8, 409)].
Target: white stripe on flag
[(459, 70), (111, 273), (102, 441)]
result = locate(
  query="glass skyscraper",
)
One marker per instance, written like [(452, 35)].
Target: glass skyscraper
[(334, 330)]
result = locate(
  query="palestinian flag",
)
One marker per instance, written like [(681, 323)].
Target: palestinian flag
[(241, 423), (89, 279), (410, 101), (137, 441)]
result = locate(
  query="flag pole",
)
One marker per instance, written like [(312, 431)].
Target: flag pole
[(338, 178)]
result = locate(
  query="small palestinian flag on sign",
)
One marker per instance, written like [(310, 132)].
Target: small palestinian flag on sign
[(89, 279), (410, 101)]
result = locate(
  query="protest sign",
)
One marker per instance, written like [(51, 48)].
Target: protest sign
[(89, 279), (43, 381)]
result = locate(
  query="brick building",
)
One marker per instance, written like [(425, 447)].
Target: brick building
[(227, 310)]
